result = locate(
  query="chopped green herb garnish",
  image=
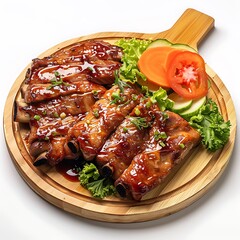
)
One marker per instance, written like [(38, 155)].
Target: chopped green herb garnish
[(134, 97), (57, 74), (140, 122), (90, 68), (55, 114), (95, 92), (96, 113), (56, 81), (165, 115), (163, 135), (148, 104), (137, 111), (37, 117), (162, 144), (120, 83), (146, 91), (116, 97), (182, 145), (159, 135), (54, 134), (125, 130)]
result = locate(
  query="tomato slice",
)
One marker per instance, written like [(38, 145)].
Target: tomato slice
[(187, 76)]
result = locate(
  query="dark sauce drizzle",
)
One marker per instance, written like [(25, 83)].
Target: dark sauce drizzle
[(69, 169)]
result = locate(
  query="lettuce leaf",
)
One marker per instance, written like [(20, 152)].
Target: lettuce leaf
[(132, 49), (161, 98)]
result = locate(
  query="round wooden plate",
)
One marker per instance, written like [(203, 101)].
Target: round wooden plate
[(198, 174)]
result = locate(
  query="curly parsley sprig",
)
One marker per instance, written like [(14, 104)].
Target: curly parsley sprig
[(90, 178), (211, 126)]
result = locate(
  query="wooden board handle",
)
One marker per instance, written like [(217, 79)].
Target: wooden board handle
[(190, 28)]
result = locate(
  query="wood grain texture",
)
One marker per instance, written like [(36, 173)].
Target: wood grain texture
[(199, 173)]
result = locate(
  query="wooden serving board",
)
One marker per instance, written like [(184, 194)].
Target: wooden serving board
[(198, 174)]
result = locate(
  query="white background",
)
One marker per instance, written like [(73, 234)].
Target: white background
[(27, 28)]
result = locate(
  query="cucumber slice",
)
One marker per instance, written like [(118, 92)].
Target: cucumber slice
[(193, 110), (164, 43), (183, 47), (180, 104), (159, 43)]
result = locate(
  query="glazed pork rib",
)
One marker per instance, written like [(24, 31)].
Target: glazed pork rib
[(107, 113), (42, 92), (99, 71), (47, 139), (58, 107), (170, 139), (127, 141), (51, 152), (89, 51), (47, 128)]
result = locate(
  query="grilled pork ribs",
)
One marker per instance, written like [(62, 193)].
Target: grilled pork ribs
[(74, 109)]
